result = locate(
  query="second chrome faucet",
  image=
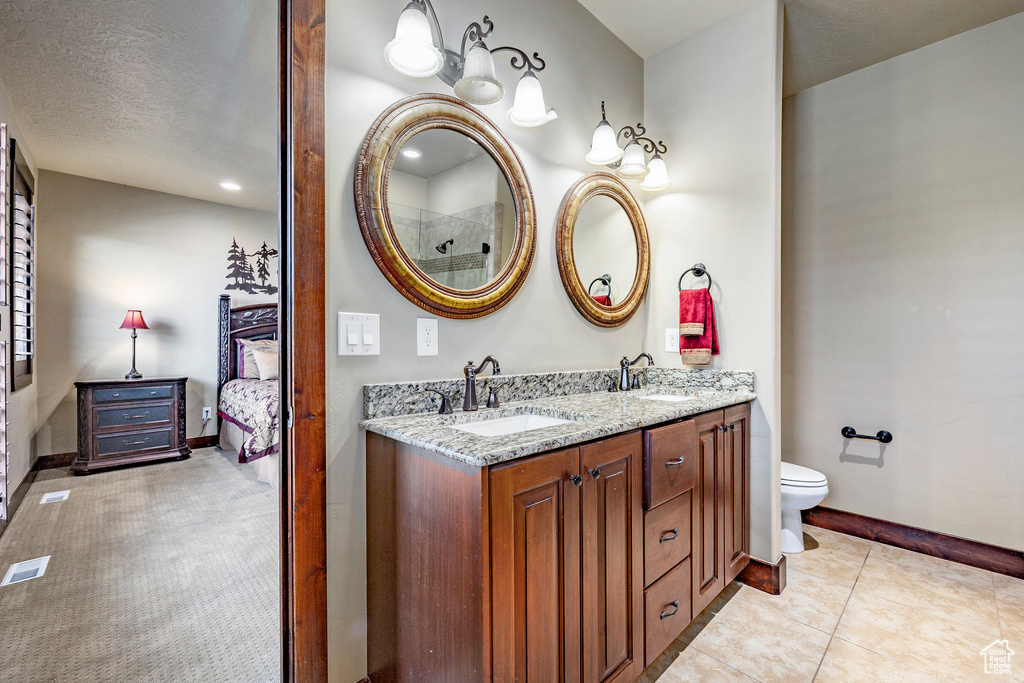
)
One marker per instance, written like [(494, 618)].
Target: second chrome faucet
[(471, 371)]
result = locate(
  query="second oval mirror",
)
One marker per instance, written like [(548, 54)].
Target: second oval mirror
[(603, 250)]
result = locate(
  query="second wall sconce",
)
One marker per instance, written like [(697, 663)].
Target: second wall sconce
[(631, 162), (471, 74)]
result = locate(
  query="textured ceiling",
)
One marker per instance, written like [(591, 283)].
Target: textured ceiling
[(826, 39), (649, 26), (174, 96)]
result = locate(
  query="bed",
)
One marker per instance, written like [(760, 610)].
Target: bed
[(248, 409)]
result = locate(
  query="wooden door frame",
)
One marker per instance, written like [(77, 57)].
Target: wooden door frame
[(303, 342)]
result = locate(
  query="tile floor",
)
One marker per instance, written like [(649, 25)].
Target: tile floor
[(854, 610)]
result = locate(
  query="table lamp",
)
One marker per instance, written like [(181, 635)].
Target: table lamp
[(133, 321)]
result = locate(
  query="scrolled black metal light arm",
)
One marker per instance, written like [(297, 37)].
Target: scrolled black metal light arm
[(455, 62), (520, 60), (639, 134)]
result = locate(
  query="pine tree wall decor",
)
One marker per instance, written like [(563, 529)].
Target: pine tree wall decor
[(242, 275)]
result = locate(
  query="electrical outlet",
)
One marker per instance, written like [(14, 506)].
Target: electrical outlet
[(207, 413), (671, 340), (426, 336)]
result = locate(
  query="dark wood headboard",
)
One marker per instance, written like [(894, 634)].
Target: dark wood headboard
[(258, 321)]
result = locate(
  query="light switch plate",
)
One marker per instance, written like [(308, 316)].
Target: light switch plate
[(358, 334), (671, 340), (426, 336)]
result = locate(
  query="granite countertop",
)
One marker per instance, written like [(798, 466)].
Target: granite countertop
[(594, 415)]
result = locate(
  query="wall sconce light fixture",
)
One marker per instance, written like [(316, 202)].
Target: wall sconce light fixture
[(631, 162), (471, 74)]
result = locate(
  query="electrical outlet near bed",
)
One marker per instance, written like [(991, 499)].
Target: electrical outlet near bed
[(207, 413)]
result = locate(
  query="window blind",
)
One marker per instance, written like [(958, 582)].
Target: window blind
[(23, 279)]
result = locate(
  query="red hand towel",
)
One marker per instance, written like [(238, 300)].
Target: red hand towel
[(603, 300), (698, 350), (692, 305)]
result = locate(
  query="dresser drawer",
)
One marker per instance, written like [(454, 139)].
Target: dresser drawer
[(666, 610), (119, 394), (666, 537), (669, 462), (116, 444), (132, 416)]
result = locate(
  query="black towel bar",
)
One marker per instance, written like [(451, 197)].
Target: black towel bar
[(851, 433), (605, 279), (700, 271)]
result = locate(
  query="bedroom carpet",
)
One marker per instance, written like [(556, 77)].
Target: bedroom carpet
[(165, 572)]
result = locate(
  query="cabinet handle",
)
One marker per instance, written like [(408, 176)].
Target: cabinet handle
[(732, 427), (666, 615), (595, 473), (724, 428), (134, 443), (117, 395), (670, 537), (674, 463), (135, 417), (576, 479), (152, 393)]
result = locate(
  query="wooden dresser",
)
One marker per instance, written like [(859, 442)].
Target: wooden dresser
[(125, 422)]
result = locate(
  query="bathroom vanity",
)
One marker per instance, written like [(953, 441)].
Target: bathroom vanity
[(576, 551)]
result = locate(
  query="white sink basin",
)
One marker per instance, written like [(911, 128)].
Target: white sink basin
[(669, 397), (510, 425)]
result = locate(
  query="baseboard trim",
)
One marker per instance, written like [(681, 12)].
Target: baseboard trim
[(53, 461), (765, 576), (202, 441), (953, 548), (15, 501), (57, 460)]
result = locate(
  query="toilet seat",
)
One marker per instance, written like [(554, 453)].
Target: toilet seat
[(801, 477)]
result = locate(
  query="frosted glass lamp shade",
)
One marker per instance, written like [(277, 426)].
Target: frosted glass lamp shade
[(528, 110), (657, 179), (604, 150), (412, 52), (478, 84), (633, 165)]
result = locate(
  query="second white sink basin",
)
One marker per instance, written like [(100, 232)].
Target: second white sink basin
[(510, 425), (669, 397)]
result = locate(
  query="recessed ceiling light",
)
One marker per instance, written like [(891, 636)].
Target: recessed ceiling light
[(412, 153), (231, 186)]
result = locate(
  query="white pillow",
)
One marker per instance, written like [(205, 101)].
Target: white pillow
[(248, 368), (267, 360)]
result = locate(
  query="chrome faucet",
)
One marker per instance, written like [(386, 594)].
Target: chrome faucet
[(624, 384), (471, 371)]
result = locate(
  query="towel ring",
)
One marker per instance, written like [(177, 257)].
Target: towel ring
[(700, 271), (604, 279)]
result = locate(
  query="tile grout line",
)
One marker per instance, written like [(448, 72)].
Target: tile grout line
[(835, 628)]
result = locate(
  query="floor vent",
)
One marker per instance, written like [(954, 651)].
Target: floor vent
[(24, 571), (55, 497)]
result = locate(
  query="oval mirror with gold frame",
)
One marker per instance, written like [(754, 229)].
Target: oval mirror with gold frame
[(601, 239), (445, 207)]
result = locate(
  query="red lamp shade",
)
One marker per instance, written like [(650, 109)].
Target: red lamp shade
[(133, 321)]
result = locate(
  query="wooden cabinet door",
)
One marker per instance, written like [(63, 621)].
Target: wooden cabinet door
[(612, 528), (736, 489), (708, 531), (535, 570)]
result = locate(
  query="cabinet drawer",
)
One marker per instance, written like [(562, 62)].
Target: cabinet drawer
[(116, 444), (118, 394), (667, 610), (130, 416), (669, 462), (666, 537)]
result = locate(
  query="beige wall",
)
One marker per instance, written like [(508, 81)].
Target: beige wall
[(538, 330), (105, 248), (21, 407), (903, 306), (716, 98)]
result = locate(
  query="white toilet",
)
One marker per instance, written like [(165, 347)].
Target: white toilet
[(802, 489)]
